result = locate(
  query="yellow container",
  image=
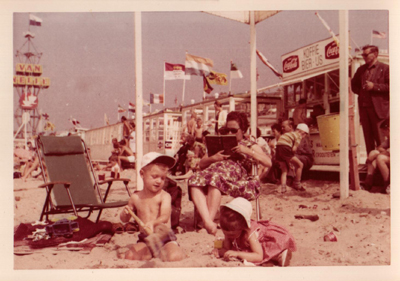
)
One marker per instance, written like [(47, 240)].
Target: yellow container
[(329, 131)]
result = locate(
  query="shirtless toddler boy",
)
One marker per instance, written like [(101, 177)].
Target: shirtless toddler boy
[(153, 206)]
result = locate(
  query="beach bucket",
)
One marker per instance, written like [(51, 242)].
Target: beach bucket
[(329, 131)]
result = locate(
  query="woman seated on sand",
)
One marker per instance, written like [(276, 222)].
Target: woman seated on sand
[(221, 175)]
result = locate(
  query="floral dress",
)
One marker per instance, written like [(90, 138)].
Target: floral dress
[(273, 239), (231, 177)]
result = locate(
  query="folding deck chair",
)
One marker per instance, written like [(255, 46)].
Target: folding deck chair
[(70, 182)]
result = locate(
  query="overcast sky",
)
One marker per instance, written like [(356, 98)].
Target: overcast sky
[(89, 57)]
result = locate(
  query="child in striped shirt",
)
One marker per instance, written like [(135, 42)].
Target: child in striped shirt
[(285, 155)]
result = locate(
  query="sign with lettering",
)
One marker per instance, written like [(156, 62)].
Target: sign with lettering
[(19, 80), (322, 157), (310, 59)]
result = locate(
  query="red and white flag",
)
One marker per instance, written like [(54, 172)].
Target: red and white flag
[(121, 109), (267, 63), (156, 98), (195, 65), (378, 34), (34, 20), (235, 72), (131, 107), (175, 72)]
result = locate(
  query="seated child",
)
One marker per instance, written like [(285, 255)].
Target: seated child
[(379, 158), (153, 206), (285, 154), (115, 169), (255, 242)]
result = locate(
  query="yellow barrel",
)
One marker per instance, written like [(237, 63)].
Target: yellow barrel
[(329, 131)]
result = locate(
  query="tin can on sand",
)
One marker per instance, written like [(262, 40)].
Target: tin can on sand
[(218, 243), (330, 237)]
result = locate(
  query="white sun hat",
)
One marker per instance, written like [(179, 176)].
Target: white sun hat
[(303, 127), (242, 206), (155, 157)]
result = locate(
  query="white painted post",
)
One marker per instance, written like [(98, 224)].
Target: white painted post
[(139, 96), (253, 74), (344, 102)]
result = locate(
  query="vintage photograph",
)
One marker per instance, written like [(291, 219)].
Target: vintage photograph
[(118, 115)]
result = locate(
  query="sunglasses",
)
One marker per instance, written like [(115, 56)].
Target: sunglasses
[(226, 131), (365, 55)]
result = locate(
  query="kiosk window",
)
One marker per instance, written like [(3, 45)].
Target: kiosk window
[(333, 84), (315, 87), (293, 93)]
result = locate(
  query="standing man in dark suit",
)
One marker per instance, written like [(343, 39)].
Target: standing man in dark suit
[(371, 84)]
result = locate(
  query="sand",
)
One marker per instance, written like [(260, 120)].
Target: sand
[(360, 222)]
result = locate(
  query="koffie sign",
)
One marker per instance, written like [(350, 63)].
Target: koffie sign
[(310, 59)]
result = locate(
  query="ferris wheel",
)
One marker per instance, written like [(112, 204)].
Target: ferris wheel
[(28, 83)]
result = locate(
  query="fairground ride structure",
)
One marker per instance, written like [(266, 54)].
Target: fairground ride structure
[(28, 83)]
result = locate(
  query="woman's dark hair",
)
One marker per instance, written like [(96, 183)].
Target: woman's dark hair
[(240, 118), (231, 220)]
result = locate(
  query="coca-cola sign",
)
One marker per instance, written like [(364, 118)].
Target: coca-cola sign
[(290, 64), (331, 51)]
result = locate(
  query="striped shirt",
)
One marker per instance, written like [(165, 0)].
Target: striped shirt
[(289, 139)]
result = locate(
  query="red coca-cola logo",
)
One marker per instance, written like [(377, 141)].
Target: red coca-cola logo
[(331, 51), (290, 64)]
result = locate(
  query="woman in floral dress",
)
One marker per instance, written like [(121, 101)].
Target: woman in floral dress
[(222, 175)]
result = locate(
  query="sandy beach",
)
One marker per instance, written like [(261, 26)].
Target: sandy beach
[(361, 224)]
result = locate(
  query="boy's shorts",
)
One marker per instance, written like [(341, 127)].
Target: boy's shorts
[(284, 153)]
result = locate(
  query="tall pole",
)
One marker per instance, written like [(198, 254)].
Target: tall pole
[(230, 79), (371, 37), (344, 102), (183, 91), (139, 97), (164, 84), (253, 81)]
